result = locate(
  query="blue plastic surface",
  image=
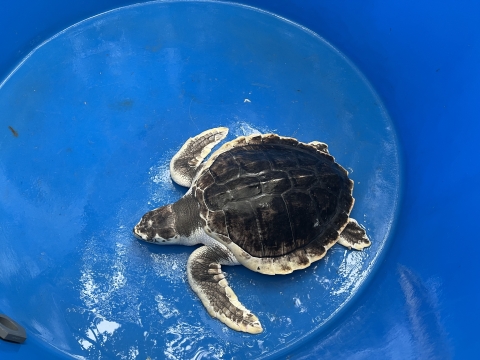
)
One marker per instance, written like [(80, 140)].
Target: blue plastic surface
[(420, 302)]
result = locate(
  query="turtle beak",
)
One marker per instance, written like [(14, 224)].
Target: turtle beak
[(136, 233)]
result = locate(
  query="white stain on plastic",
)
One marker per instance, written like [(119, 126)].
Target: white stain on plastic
[(182, 342), (98, 332), (242, 128), (133, 353), (165, 308), (299, 305), (85, 344), (171, 267), (107, 327), (350, 272), (99, 290), (94, 292), (163, 190)]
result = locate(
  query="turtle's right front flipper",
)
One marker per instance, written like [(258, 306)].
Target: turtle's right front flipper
[(186, 161), (208, 281)]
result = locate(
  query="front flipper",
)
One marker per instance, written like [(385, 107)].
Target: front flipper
[(184, 164), (208, 281), (354, 236)]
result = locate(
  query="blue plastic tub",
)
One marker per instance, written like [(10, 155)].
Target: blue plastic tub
[(96, 97)]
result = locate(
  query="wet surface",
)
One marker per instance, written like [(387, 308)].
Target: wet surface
[(101, 109)]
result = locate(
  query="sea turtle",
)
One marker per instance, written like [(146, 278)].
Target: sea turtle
[(271, 203)]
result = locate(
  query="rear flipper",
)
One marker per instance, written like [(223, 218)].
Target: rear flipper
[(186, 161), (208, 281), (354, 236)]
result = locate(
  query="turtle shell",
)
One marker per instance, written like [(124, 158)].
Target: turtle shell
[(272, 195)]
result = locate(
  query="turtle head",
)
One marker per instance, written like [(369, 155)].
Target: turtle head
[(158, 226)]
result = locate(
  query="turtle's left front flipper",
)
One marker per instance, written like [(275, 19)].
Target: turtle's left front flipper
[(208, 281), (354, 236), (186, 161)]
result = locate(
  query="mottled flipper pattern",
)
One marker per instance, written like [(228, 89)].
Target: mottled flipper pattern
[(186, 161), (354, 236), (208, 281)]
